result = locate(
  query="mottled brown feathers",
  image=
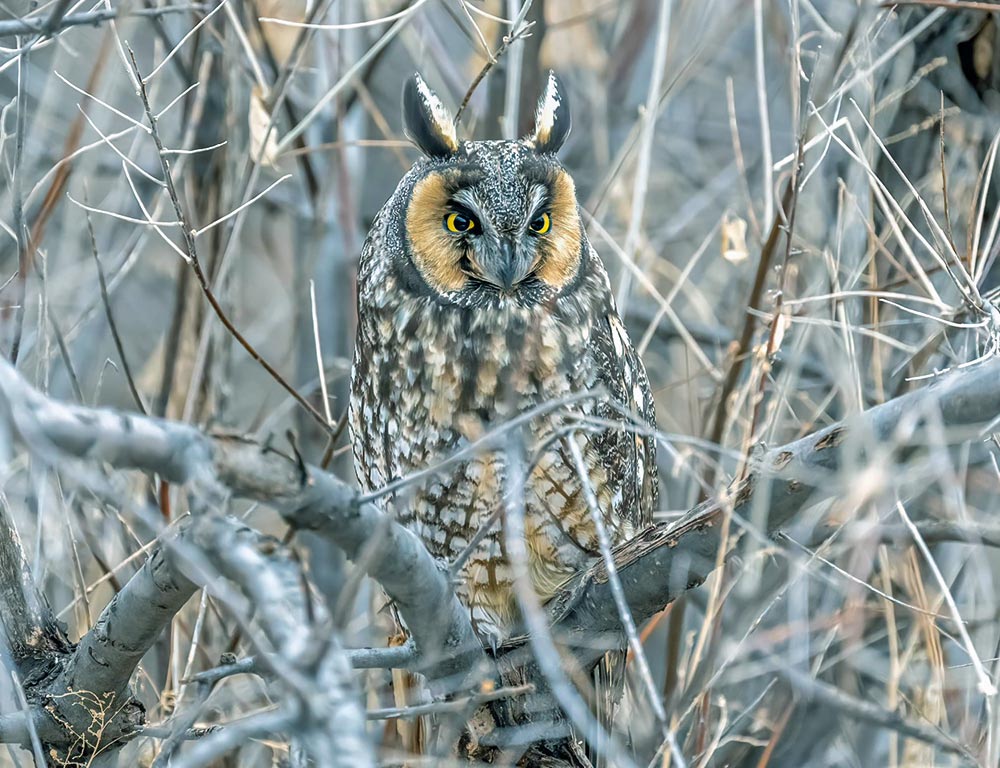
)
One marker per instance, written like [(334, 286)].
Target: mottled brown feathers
[(464, 331)]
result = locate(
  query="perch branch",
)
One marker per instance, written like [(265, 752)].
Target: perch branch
[(307, 497), (665, 560), (655, 567)]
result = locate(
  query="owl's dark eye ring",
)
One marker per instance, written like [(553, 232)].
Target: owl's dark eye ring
[(459, 223), (541, 224)]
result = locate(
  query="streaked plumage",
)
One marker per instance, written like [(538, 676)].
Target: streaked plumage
[(461, 332)]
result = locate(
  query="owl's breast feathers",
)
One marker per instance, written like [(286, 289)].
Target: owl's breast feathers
[(432, 379)]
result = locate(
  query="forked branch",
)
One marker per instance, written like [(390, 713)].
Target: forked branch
[(654, 568)]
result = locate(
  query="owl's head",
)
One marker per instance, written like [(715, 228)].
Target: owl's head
[(490, 220)]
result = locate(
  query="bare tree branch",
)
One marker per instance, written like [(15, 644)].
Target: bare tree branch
[(870, 712), (80, 697), (108, 654), (307, 659), (28, 624), (48, 26), (306, 496), (664, 561), (655, 567), (83, 705)]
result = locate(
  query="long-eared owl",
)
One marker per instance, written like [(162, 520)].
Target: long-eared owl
[(486, 317)]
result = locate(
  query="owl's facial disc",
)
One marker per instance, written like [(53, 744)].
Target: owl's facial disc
[(464, 233)]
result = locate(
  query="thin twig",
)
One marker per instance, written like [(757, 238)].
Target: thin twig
[(750, 322), (986, 686), (453, 706), (24, 254), (188, 235), (763, 109), (24, 26), (519, 30), (112, 325), (644, 159), (869, 712), (348, 77)]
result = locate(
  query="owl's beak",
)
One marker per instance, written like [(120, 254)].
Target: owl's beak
[(514, 266)]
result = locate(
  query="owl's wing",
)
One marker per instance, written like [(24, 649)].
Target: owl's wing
[(629, 458), (629, 455)]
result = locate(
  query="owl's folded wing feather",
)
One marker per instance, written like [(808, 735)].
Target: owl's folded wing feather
[(629, 452), (629, 456)]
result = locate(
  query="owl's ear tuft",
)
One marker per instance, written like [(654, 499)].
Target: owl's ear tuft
[(425, 120), (552, 120)]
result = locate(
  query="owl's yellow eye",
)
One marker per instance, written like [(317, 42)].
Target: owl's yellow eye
[(456, 222), (541, 224)]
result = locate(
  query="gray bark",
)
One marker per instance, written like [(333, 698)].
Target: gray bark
[(655, 567), (666, 560)]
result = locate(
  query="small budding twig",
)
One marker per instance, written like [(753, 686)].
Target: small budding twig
[(519, 30)]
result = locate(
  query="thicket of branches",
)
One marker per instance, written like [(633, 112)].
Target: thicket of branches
[(797, 201)]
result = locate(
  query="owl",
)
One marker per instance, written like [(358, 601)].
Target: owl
[(488, 340)]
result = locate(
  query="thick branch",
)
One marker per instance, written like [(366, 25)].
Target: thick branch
[(89, 691), (91, 694), (306, 496), (128, 626), (30, 629), (654, 568), (665, 560), (80, 698)]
